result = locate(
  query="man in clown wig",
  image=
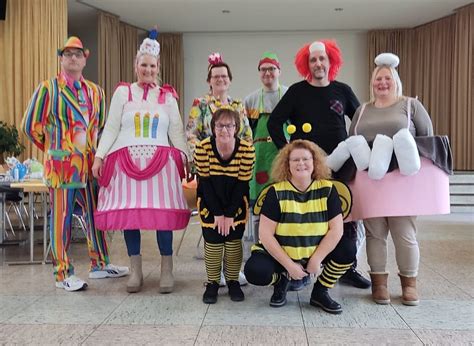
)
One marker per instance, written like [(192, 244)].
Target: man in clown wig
[(316, 108)]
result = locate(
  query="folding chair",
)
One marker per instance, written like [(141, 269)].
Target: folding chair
[(14, 199)]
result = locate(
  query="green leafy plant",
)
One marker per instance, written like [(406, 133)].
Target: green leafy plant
[(9, 141)]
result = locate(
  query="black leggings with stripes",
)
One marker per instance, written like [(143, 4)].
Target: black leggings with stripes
[(261, 266)]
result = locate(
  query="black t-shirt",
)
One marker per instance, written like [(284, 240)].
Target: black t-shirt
[(271, 206), (322, 107)]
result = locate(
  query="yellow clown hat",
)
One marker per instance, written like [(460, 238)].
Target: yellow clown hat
[(73, 42)]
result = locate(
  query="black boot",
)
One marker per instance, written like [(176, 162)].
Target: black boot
[(210, 295), (235, 292), (353, 278), (278, 298), (320, 298)]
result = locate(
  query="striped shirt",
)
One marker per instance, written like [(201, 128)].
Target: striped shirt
[(302, 216)]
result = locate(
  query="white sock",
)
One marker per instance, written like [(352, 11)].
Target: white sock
[(360, 151), (338, 157), (380, 157), (406, 151)]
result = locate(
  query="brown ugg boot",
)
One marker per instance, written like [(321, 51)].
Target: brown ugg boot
[(166, 277), (135, 281), (380, 293), (409, 292)]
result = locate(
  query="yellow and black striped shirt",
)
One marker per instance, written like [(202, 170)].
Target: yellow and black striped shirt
[(223, 185), (302, 216)]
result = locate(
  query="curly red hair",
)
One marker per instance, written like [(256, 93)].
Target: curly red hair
[(334, 55)]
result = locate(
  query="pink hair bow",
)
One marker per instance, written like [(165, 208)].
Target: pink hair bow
[(214, 59), (166, 88)]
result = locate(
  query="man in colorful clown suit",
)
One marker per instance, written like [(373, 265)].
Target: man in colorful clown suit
[(316, 108), (63, 119)]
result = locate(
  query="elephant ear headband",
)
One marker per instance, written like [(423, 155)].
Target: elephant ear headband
[(387, 59)]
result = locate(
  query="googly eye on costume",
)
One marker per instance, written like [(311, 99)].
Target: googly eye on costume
[(307, 127), (291, 129)]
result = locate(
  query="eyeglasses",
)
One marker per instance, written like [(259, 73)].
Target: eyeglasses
[(221, 76), (78, 54), (301, 159), (228, 127), (267, 69)]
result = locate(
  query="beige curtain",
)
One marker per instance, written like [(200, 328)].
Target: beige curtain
[(29, 39), (109, 53), (432, 79), (118, 44), (436, 64), (462, 109), (172, 63), (128, 49)]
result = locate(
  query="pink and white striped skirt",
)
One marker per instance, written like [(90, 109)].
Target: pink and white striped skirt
[(141, 189)]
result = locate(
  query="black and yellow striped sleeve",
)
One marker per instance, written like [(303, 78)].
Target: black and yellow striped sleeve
[(247, 161), (201, 159)]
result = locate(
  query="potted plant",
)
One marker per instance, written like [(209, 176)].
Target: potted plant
[(9, 142)]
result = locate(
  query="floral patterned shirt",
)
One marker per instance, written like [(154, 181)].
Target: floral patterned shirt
[(199, 122)]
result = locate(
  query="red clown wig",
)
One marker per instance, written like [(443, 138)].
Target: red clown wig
[(335, 60)]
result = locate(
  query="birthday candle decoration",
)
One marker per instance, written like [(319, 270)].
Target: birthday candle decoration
[(137, 124), (146, 125), (154, 125)]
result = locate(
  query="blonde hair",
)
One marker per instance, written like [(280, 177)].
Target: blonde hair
[(157, 58), (281, 164), (395, 77)]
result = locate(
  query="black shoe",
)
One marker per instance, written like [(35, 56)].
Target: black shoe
[(210, 295), (235, 292), (298, 285), (278, 298), (353, 278), (320, 298)]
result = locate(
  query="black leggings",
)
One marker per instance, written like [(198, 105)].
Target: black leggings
[(261, 266)]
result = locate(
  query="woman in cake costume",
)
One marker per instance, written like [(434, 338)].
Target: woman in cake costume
[(219, 78), (139, 171), (393, 184), (224, 166), (301, 228)]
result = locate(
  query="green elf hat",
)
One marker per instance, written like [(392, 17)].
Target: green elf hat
[(269, 57)]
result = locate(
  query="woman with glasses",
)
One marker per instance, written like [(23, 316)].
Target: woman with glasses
[(301, 228), (219, 78), (224, 166)]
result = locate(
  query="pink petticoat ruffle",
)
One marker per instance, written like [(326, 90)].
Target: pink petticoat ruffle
[(144, 219)]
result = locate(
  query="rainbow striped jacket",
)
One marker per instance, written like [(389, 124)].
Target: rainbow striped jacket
[(54, 122)]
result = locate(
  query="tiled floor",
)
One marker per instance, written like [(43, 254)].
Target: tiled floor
[(33, 311)]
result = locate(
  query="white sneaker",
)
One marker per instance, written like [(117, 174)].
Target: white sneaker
[(72, 283), (222, 283), (242, 280), (109, 271)]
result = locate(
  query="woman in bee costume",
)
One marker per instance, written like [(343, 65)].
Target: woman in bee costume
[(301, 228)]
